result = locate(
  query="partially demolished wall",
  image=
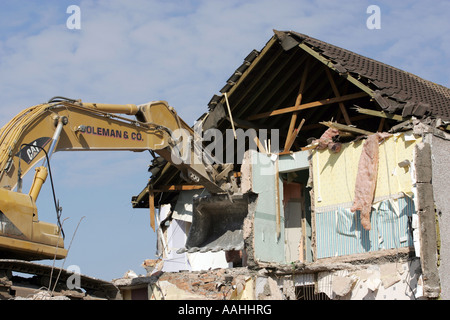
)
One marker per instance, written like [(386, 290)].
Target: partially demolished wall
[(372, 281), (334, 256)]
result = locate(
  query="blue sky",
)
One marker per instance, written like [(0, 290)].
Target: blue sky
[(182, 52)]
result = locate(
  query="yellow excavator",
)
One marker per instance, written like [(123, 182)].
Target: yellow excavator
[(64, 124)]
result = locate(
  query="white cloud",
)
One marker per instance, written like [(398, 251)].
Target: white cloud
[(183, 52)]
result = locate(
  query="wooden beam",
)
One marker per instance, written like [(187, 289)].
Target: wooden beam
[(293, 136), (277, 200), (337, 94), (291, 132), (302, 85), (151, 205), (255, 62), (180, 187), (260, 146), (270, 86), (380, 114), (291, 129), (330, 64), (308, 105), (381, 125), (343, 127)]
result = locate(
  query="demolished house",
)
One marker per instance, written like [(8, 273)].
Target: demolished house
[(343, 198)]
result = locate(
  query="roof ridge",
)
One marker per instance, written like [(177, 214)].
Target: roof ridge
[(306, 37), (400, 87)]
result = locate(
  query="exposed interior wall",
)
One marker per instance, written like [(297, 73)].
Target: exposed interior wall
[(338, 229), (293, 215), (283, 234), (269, 232), (332, 229), (335, 174), (177, 225)]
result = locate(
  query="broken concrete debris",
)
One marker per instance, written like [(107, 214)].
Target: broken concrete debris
[(342, 285), (398, 280)]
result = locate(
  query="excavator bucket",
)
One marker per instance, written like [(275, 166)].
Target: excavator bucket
[(217, 223)]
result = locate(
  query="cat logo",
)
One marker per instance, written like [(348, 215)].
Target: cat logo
[(31, 150)]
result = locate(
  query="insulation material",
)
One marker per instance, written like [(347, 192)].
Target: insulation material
[(366, 178), (336, 172), (326, 140)]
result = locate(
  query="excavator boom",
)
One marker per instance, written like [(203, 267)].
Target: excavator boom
[(69, 125)]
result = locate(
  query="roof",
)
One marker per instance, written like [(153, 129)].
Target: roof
[(395, 90), (324, 83)]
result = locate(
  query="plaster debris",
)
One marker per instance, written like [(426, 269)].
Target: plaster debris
[(342, 285)]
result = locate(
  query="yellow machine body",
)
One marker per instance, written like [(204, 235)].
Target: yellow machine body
[(22, 236), (79, 126)]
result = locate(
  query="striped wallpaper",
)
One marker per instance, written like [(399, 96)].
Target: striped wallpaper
[(339, 231)]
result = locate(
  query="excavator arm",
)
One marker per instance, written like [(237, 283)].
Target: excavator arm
[(69, 125), (76, 126)]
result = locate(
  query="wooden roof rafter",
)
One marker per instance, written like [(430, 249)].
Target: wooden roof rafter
[(308, 105)]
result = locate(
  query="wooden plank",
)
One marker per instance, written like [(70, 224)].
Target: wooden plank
[(180, 187), (343, 127), (308, 105), (151, 204), (259, 145), (380, 114), (277, 200), (381, 125), (291, 129), (255, 62), (318, 125), (230, 115), (337, 94), (302, 85), (295, 114), (294, 135), (270, 86), (329, 64)]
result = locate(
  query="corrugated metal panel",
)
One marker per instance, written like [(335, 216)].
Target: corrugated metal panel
[(339, 231)]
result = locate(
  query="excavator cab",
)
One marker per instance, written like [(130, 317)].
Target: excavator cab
[(22, 235)]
